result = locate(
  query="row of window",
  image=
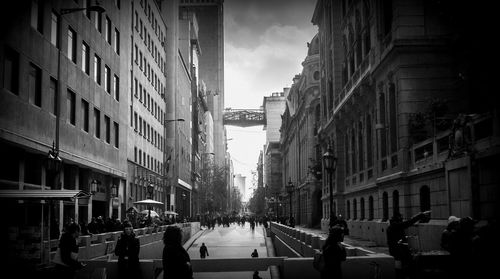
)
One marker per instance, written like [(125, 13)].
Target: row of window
[(147, 131), (147, 161), (148, 102), (148, 71), (149, 43), (35, 97), (424, 200), (140, 192), (152, 20), (358, 152)]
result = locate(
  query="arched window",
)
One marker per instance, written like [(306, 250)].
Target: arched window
[(370, 208), (353, 150), (348, 210), (361, 152), (395, 202), (385, 206), (355, 209), (362, 208), (369, 151), (383, 140), (425, 198)]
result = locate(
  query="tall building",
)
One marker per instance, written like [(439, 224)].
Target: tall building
[(273, 106), (301, 153), (147, 73), (211, 64), (240, 184), (65, 85), (400, 108)]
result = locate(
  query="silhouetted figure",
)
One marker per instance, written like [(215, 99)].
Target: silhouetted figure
[(255, 254), (127, 250), (203, 251), (334, 253), (67, 264), (176, 261), (256, 275)]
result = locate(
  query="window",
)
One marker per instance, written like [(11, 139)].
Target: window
[(355, 209), (97, 123), (98, 22), (140, 157), (425, 198), (35, 85), (135, 154), (85, 58), (140, 59), (136, 21), (369, 151), (385, 206), (107, 79), (135, 87), (135, 121), (141, 29), (70, 107), (116, 87), (136, 56), (348, 210), (53, 95), (107, 128), (11, 71), (37, 15), (117, 4), (97, 69), (107, 30), (140, 125), (361, 153), (387, 19), (393, 117), (54, 30), (117, 41), (86, 4), (383, 140), (85, 115), (362, 208), (72, 44), (370, 208), (395, 203), (117, 134)]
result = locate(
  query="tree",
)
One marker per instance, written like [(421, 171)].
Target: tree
[(213, 189), (257, 201), (236, 203)]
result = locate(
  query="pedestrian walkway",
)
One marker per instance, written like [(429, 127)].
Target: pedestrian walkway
[(230, 242), (349, 240)]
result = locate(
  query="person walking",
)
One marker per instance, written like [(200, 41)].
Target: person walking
[(203, 251), (66, 258), (255, 254), (334, 253), (176, 261), (127, 250)]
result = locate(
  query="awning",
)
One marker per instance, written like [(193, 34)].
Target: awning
[(44, 194)]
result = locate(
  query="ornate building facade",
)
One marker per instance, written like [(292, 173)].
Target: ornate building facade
[(392, 85), (299, 143)]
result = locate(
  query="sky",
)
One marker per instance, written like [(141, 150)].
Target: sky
[(265, 44)]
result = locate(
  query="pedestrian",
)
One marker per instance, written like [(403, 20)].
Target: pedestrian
[(66, 258), (255, 254), (203, 251), (398, 243), (334, 253), (127, 249), (176, 261)]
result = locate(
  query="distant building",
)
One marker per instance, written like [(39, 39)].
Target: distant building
[(273, 107), (240, 184)]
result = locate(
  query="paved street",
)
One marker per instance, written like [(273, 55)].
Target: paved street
[(232, 242)]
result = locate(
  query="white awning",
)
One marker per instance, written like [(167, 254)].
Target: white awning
[(44, 194), (184, 184)]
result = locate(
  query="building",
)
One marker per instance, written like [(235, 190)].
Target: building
[(273, 107), (299, 146), (397, 78), (147, 103), (240, 183), (210, 18), (64, 81)]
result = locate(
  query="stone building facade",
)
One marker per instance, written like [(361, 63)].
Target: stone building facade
[(299, 147), (392, 85)]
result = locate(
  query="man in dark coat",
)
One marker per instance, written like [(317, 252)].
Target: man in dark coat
[(397, 242), (203, 251), (176, 261), (127, 249), (334, 253)]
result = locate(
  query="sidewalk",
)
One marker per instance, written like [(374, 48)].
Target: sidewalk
[(353, 241)]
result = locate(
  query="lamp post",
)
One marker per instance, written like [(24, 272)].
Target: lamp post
[(150, 190), (183, 204), (166, 163), (290, 188), (330, 163)]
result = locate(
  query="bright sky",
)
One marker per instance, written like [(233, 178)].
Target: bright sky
[(265, 44)]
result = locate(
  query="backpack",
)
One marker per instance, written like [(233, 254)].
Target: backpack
[(319, 261)]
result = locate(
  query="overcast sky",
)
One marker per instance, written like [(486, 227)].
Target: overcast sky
[(265, 44)]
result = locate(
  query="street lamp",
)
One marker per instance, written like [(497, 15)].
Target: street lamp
[(183, 204), (114, 190), (93, 186), (330, 163), (290, 188), (150, 189)]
